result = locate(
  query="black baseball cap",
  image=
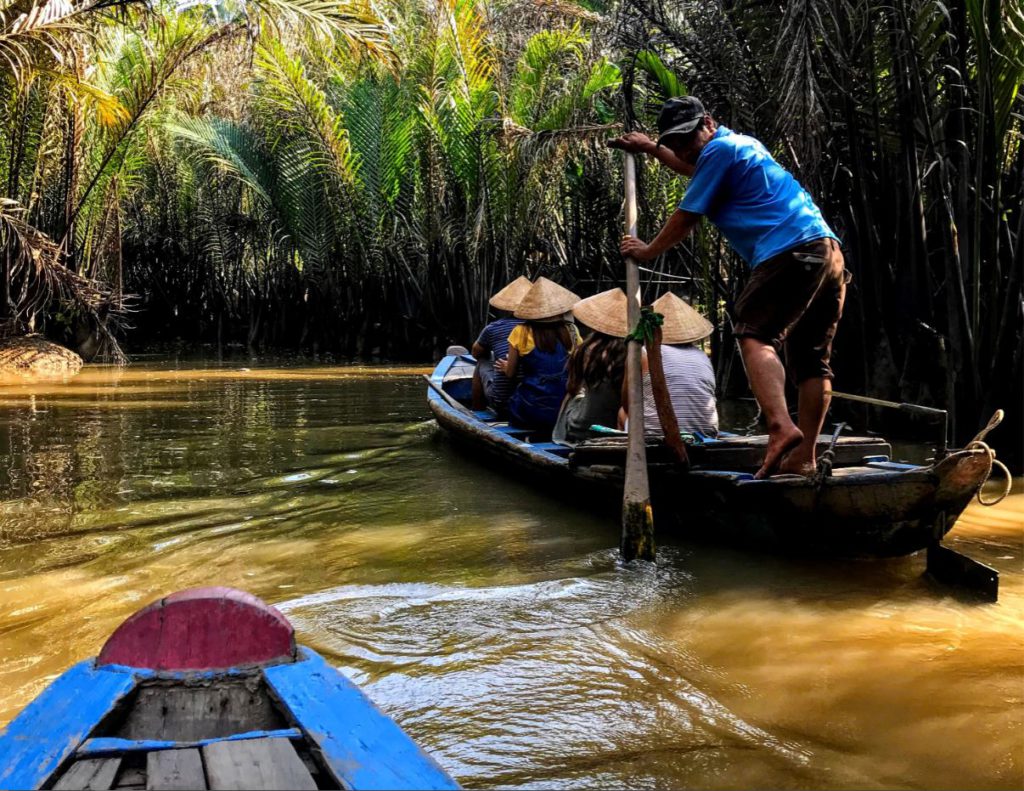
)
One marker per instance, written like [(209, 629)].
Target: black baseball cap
[(679, 116)]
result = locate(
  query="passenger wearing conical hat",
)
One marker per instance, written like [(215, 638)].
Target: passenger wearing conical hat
[(596, 368), (688, 372), (538, 353), (491, 388)]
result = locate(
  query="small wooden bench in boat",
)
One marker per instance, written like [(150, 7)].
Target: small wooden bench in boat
[(739, 454), (207, 689)]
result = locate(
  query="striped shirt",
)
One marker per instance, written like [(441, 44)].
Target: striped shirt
[(494, 339), (691, 385)]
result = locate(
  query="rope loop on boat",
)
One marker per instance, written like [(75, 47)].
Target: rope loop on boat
[(825, 461), (978, 443)]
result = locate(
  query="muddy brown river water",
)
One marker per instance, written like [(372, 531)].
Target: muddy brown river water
[(493, 622)]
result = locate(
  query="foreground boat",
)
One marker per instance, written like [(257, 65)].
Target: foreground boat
[(867, 504), (207, 689)]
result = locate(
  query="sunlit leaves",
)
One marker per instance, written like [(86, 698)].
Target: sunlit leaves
[(36, 35), (667, 80), (352, 21)]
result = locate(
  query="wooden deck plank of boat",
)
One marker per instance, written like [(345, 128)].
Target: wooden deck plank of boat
[(190, 713), (362, 747), (260, 763), (133, 778), (90, 774), (174, 770), (59, 718)]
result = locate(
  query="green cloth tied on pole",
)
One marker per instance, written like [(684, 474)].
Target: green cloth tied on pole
[(645, 327)]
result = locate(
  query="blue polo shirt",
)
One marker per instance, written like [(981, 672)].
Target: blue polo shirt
[(759, 207)]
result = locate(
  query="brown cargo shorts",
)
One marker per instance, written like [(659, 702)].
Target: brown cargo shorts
[(794, 301)]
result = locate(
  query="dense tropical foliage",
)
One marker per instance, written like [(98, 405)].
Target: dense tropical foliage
[(356, 179)]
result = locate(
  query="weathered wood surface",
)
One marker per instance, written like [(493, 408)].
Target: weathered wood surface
[(132, 776), (637, 541), (165, 711), (742, 454), (53, 725), (90, 774), (112, 744), (175, 770), (362, 747), (200, 629), (258, 764)]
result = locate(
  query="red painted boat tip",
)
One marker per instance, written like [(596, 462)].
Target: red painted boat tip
[(201, 629)]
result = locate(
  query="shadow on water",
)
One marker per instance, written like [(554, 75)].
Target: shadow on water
[(492, 620)]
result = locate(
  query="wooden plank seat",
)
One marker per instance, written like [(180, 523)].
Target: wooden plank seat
[(269, 763), (725, 453), (175, 770), (550, 447), (89, 774), (505, 428), (260, 763)]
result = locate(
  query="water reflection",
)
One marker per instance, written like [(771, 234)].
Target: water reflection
[(493, 621)]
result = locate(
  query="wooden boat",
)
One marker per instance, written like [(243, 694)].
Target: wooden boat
[(207, 689), (867, 504)]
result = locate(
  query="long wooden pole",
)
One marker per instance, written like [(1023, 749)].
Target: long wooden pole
[(637, 518)]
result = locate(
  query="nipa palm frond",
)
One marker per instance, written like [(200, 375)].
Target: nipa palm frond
[(298, 109), (36, 36), (236, 149), (354, 22)]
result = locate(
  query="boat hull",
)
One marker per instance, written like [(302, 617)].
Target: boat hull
[(874, 508), (277, 716)]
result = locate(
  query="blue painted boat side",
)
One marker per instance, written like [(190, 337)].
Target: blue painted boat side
[(111, 744), (876, 472), (505, 435), (363, 747), (51, 727)]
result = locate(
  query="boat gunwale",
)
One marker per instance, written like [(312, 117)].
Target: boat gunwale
[(865, 475)]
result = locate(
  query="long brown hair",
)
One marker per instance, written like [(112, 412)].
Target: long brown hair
[(600, 358), (546, 334)]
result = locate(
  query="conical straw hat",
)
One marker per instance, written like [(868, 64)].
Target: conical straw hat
[(604, 312), (546, 301), (682, 324), (510, 296)]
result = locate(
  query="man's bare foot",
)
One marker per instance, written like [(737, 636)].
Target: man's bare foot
[(780, 442), (791, 465)]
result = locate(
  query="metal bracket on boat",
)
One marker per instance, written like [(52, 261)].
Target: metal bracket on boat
[(949, 567), (824, 469)]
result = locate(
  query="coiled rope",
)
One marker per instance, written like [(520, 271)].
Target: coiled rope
[(978, 443)]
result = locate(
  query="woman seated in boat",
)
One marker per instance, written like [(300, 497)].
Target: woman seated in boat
[(688, 372), (491, 388), (538, 352), (596, 369)]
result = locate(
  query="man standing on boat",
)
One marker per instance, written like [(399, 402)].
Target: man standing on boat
[(794, 298)]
